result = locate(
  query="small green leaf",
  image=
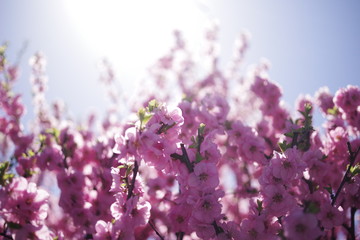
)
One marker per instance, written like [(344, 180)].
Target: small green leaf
[(194, 142), (289, 134), (128, 171), (165, 127), (198, 158), (186, 98), (227, 125), (4, 166), (328, 189), (354, 170), (201, 129), (259, 205), (3, 49), (13, 225), (312, 207), (122, 166), (333, 111), (141, 114), (153, 104), (54, 132), (283, 146)]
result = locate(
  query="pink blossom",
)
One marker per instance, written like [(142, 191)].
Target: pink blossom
[(348, 99), (207, 209), (300, 225), (324, 99), (277, 200), (103, 230), (205, 175), (25, 204), (330, 216)]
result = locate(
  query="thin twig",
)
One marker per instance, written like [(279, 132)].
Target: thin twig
[(180, 235), (346, 178), (132, 186), (184, 158), (352, 227), (155, 230)]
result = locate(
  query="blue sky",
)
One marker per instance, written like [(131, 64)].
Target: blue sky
[(309, 43)]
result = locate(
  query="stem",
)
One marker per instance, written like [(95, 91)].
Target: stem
[(180, 235), (200, 140), (6, 236), (132, 186), (155, 230), (218, 229), (4, 232), (184, 158), (333, 237), (346, 178), (352, 227), (65, 163), (294, 141)]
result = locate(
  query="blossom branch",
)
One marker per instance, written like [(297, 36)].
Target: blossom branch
[(155, 230), (184, 158), (132, 185), (347, 177)]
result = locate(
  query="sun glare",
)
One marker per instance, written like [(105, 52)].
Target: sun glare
[(134, 31)]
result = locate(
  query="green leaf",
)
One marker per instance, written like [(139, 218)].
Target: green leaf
[(283, 146), (259, 205), (333, 111), (312, 207), (328, 189), (4, 166), (141, 114), (122, 166), (227, 125), (289, 134), (165, 127), (201, 129), (194, 142), (54, 132), (5, 178), (308, 108), (355, 170), (153, 104), (13, 225), (198, 157), (128, 171), (3, 49), (186, 98)]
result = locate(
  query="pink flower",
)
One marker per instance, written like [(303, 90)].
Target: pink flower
[(25, 202), (252, 228), (103, 230), (299, 225), (207, 209), (348, 99), (277, 200), (179, 216), (51, 158), (330, 216), (302, 101), (324, 99), (128, 144), (205, 175), (231, 231)]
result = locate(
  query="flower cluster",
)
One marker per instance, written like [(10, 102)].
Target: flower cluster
[(226, 161)]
